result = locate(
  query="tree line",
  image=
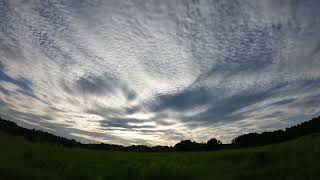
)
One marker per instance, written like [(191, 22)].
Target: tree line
[(246, 140)]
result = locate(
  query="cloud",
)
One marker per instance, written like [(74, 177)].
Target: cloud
[(180, 101), (102, 85), (158, 72), (24, 86)]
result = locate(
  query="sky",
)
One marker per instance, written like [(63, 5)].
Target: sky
[(157, 72)]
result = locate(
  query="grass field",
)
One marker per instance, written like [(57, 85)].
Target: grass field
[(298, 159)]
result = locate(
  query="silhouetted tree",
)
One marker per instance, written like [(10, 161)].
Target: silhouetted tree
[(187, 145), (213, 144)]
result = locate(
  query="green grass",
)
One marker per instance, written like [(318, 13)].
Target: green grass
[(298, 159)]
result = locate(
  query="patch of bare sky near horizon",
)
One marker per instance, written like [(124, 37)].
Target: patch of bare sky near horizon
[(156, 72)]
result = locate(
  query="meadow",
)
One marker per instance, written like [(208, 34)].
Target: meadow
[(298, 159)]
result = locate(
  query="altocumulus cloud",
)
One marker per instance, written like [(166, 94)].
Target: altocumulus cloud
[(156, 72)]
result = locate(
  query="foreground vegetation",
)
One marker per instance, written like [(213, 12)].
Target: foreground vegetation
[(21, 159)]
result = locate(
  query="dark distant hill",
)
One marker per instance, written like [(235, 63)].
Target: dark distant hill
[(45, 137), (265, 138), (35, 135), (246, 140)]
